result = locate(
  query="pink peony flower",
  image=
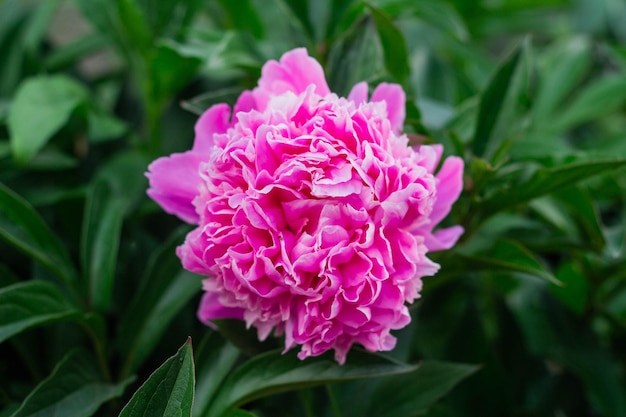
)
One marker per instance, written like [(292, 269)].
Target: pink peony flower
[(314, 215)]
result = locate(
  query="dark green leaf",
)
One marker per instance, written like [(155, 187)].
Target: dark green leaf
[(547, 180), (393, 43), (242, 16), (509, 256), (74, 389), (101, 235), (103, 127), (574, 289), (38, 25), (41, 106), (163, 291), (492, 100), (214, 359), (22, 227), (29, 304), (273, 372), (169, 391), (413, 393)]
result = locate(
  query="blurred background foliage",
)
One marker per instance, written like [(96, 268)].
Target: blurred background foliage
[(528, 311)]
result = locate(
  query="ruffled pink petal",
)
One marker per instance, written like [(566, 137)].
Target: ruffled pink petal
[(295, 72), (211, 309), (215, 120), (358, 94), (174, 183), (394, 96)]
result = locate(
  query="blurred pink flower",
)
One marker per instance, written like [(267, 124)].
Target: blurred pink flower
[(314, 215)]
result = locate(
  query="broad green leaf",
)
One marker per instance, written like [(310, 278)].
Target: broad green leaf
[(214, 359), (603, 96), (22, 227), (41, 106), (29, 304), (74, 388), (509, 256), (411, 394), (393, 43), (102, 228), (492, 100), (300, 11), (545, 181), (103, 127), (274, 372), (169, 391)]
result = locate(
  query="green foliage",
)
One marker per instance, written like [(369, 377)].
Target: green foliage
[(529, 307)]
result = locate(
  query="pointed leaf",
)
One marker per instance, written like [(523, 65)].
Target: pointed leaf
[(41, 106), (29, 304), (22, 227), (492, 100), (74, 389), (168, 391), (394, 45), (413, 393), (510, 256), (273, 372), (545, 181)]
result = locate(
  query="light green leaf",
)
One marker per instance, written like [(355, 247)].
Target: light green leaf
[(169, 391), (74, 389), (22, 227), (273, 372), (103, 127), (29, 304), (41, 106), (603, 96)]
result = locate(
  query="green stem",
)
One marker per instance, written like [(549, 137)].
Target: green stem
[(99, 350), (334, 405)]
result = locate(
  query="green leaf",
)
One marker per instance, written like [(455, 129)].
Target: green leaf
[(74, 388), (574, 290), (604, 96), (236, 412), (41, 106), (21, 226), (214, 359), (39, 23), (104, 127), (545, 181), (169, 391), (393, 43), (102, 229), (509, 256), (241, 15), (273, 372), (492, 100), (561, 69), (413, 393), (29, 304), (170, 71), (163, 291)]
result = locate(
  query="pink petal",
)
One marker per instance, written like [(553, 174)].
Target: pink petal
[(395, 98), (295, 72), (215, 120), (358, 94), (449, 187), (443, 239), (211, 309), (174, 182)]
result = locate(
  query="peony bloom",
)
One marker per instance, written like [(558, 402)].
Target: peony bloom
[(314, 216)]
